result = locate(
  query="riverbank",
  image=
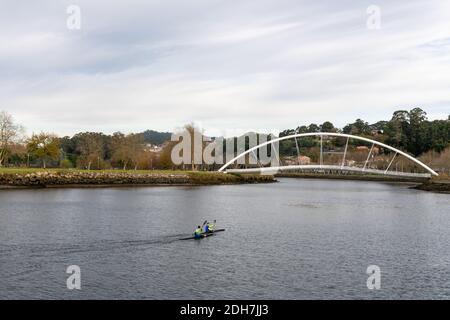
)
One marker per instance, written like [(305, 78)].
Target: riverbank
[(436, 184), (39, 178), (358, 177)]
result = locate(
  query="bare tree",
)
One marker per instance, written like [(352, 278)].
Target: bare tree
[(126, 149), (10, 132), (195, 134)]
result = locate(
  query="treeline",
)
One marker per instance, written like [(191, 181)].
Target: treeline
[(93, 150), (87, 150), (409, 131)]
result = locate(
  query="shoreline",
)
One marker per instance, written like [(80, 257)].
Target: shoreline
[(19, 179), (354, 177), (430, 185), (438, 187), (16, 179), (113, 186)]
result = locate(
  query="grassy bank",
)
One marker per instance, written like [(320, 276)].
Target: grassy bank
[(28, 177), (58, 170)]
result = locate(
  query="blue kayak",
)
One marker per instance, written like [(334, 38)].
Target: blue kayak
[(204, 235)]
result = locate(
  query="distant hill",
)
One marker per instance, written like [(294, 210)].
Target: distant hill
[(155, 137)]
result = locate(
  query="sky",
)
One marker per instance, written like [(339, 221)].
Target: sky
[(228, 66)]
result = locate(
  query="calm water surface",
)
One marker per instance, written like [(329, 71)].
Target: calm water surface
[(296, 239)]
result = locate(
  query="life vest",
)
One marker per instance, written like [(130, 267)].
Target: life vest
[(211, 226), (198, 231)]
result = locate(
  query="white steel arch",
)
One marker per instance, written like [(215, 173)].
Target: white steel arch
[(332, 134)]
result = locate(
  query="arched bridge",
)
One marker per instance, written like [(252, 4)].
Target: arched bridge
[(342, 166)]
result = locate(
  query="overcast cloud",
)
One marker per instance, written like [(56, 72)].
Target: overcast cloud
[(227, 65)]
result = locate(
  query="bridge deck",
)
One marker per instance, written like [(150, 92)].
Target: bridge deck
[(274, 170)]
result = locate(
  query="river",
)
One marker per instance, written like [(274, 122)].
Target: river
[(296, 239)]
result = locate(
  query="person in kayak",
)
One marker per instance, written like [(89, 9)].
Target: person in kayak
[(210, 227), (198, 232)]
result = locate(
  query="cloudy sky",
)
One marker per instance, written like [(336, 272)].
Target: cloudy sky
[(226, 65)]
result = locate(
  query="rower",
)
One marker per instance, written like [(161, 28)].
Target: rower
[(198, 232), (210, 227)]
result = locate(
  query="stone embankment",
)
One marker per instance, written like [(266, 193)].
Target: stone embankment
[(92, 178)]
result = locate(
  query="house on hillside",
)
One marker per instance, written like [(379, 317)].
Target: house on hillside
[(362, 149), (300, 160), (153, 148), (375, 150), (303, 160)]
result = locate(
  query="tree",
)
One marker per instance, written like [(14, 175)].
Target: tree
[(44, 146), (412, 132), (417, 115), (417, 132), (155, 137), (90, 147), (313, 128), (68, 149), (396, 131), (327, 126), (379, 126), (136, 148), (17, 154), (126, 149), (197, 143), (301, 129), (191, 129), (66, 163), (359, 127), (400, 115), (165, 157), (146, 159), (10, 132), (287, 132), (437, 135)]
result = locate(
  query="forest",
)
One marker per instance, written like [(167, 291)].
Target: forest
[(410, 131)]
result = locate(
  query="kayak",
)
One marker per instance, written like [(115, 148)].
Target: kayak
[(204, 235)]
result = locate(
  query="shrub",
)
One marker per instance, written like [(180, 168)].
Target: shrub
[(66, 164)]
